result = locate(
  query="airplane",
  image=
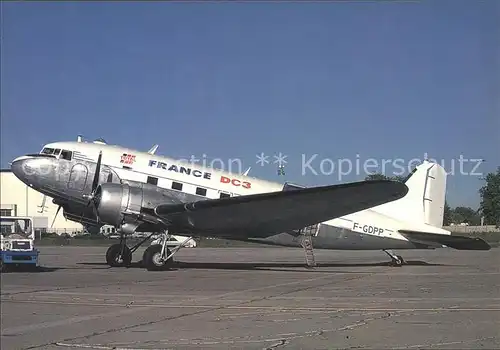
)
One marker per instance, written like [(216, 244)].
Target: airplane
[(97, 184)]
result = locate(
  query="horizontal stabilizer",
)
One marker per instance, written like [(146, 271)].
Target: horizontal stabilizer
[(266, 214), (456, 242)]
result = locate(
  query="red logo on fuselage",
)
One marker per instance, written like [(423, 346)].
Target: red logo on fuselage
[(127, 159), (235, 182)]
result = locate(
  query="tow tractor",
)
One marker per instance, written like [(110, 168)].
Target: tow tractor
[(17, 246)]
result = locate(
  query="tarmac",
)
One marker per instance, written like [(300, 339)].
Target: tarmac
[(255, 298)]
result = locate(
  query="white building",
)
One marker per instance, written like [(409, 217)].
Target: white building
[(18, 199)]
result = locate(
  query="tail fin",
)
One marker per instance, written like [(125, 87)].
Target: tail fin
[(425, 200)]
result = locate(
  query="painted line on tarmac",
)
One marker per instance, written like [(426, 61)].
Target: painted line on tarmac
[(248, 307)]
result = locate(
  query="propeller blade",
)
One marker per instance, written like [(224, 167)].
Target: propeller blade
[(55, 216), (94, 209), (95, 183)]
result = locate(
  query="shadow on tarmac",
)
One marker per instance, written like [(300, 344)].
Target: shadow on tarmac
[(282, 267), (242, 266)]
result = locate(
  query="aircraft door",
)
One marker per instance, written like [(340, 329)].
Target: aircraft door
[(78, 177)]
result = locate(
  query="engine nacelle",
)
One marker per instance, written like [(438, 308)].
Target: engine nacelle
[(114, 201)]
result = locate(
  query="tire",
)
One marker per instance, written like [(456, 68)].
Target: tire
[(114, 257), (151, 258)]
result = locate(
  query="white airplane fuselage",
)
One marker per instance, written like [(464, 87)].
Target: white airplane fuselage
[(372, 229)]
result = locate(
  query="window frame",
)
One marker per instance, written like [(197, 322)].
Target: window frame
[(48, 150), (67, 152), (152, 178), (201, 189), (176, 183)]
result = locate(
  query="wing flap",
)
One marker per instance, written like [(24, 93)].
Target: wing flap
[(456, 242), (267, 214)]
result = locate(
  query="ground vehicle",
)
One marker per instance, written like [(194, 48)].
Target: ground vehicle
[(17, 246)]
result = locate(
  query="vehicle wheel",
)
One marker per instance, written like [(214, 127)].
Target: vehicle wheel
[(152, 258), (114, 256)]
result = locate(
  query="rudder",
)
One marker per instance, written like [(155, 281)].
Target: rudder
[(425, 200)]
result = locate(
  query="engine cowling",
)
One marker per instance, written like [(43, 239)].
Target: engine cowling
[(114, 201)]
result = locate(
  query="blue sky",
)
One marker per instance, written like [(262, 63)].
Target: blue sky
[(380, 80)]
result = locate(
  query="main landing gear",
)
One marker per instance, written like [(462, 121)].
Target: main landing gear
[(156, 257), (396, 260), (119, 254)]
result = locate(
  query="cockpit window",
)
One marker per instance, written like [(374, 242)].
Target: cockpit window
[(47, 150), (66, 154), (63, 154)]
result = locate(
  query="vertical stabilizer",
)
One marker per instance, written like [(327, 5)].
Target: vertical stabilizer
[(425, 200)]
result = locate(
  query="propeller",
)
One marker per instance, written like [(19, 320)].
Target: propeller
[(92, 197)]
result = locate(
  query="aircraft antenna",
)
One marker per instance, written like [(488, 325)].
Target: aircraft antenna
[(153, 149), (101, 141)]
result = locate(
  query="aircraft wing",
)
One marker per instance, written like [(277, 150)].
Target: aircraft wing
[(456, 242), (266, 214)]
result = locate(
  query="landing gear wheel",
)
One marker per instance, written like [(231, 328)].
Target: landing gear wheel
[(397, 261), (114, 256), (152, 259)]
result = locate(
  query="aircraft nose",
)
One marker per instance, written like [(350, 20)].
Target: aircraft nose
[(21, 168), (32, 169)]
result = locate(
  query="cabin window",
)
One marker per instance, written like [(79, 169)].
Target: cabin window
[(201, 191), (110, 177), (177, 186), (66, 154), (152, 180), (224, 195), (127, 167)]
